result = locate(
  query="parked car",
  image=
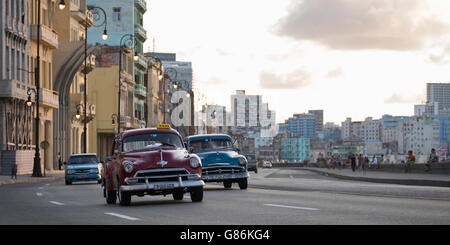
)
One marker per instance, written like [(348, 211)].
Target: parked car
[(221, 161), (151, 161), (267, 164), (82, 167), (252, 164)]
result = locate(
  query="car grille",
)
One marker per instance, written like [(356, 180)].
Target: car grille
[(225, 169), (156, 175)]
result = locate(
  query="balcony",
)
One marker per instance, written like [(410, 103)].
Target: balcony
[(47, 35), (85, 17), (49, 98), (140, 33), (141, 5), (140, 91), (16, 27), (141, 63), (90, 65), (127, 77), (13, 89), (18, 90)]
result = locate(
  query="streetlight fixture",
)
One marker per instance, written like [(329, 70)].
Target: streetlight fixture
[(62, 5), (95, 11)]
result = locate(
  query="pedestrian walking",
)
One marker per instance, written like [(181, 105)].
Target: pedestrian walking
[(352, 159), (14, 171), (364, 164), (59, 161), (374, 161), (433, 158), (410, 159)]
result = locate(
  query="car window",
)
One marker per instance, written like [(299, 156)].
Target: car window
[(83, 159), (153, 140), (210, 144)]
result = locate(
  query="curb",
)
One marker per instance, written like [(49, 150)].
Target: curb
[(419, 182), (30, 180)]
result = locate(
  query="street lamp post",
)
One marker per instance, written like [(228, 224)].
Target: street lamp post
[(123, 40), (95, 11)]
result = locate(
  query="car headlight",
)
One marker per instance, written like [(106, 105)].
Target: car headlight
[(128, 167), (194, 162), (242, 161)]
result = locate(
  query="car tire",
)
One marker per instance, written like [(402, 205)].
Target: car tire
[(178, 194), (111, 197), (227, 184), (197, 194), (243, 184), (68, 182), (124, 198)]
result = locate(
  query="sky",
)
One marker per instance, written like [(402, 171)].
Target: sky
[(350, 58)]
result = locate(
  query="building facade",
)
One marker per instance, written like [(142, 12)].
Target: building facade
[(125, 17), (104, 93), (440, 93)]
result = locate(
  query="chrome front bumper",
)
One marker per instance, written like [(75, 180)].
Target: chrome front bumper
[(221, 177), (147, 183)]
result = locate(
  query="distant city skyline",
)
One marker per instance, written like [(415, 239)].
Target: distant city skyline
[(353, 58)]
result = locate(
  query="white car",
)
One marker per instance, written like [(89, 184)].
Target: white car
[(267, 164)]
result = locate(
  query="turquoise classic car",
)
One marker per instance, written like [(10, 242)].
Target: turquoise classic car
[(83, 167), (220, 158)]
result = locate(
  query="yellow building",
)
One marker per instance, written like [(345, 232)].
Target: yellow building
[(104, 92)]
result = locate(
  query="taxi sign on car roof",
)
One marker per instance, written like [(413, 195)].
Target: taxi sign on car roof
[(163, 126)]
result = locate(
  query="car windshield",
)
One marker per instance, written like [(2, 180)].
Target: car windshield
[(210, 144), (87, 159), (250, 157), (149, 141)]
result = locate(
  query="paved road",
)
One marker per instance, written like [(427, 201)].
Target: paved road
[(275, 196)]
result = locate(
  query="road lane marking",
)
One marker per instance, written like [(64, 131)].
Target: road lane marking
[(293, 207), (57, 203), (39, 194), (123, 216)]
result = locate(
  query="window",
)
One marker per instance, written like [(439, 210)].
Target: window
[(116, 14)]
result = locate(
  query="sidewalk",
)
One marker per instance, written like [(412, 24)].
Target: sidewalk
[(422, 179), (26, 178)]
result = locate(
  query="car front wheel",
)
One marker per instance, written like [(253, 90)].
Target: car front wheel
[(243, 184), (197, 194)]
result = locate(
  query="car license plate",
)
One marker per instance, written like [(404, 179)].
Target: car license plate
[(83, 176), (164, 186)]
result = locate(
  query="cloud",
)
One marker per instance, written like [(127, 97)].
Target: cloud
[(296, 79), (338, 72), (359, 25), (398, 98)]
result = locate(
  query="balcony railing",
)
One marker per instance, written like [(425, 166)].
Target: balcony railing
[(90, 65), (141, 63), (83, 16), (140, 91), (140, 33), (49, 98), (47, 35), (141, 5)]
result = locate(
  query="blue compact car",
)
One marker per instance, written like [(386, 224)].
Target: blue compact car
[(83, 167), (220, 159)]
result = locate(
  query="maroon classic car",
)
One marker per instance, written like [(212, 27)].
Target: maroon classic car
[(151, 161)]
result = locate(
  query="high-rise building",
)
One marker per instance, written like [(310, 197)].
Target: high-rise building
[(440, 93), (303, 125), (318, 115), (125, 17)]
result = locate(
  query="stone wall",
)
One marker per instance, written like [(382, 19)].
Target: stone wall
[(23, 158)]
